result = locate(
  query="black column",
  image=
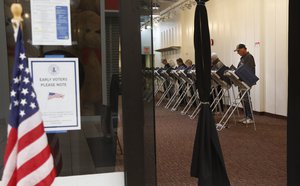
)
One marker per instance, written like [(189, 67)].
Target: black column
[(4, 85), (132, 94), (4, 101), (293, 149)]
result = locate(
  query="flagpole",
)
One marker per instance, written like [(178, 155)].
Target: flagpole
[(16, 9), (27, 159)]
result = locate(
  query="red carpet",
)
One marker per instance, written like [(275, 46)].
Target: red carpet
[(251, 157)]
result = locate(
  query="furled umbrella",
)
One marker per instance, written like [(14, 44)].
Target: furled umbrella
[(207, 161)]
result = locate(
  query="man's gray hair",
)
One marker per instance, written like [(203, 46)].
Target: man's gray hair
[(214, 56)]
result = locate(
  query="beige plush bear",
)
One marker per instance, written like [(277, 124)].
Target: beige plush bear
[(92, 5), (87, 34)]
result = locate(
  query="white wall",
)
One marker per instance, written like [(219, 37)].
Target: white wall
[(276, 54), (166, 34), (187, 20), (260, 24), (263, 26), (232, 22)]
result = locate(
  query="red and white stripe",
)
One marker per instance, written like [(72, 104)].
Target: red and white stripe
[(28, 159)]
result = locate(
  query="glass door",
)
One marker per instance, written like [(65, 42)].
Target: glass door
[(137, 92), (117, 131), (95, 40)]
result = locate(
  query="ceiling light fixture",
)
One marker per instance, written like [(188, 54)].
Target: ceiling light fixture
[(155, 6)]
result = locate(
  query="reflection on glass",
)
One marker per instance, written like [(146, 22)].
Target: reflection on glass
[(149, 115), (96, 148)]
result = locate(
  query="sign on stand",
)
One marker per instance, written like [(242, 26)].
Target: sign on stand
[(56, 82)]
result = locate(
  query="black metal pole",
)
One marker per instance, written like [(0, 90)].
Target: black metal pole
[(132, 93)]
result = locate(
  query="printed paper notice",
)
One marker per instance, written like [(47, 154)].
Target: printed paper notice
[(56, 82), (50, 22)]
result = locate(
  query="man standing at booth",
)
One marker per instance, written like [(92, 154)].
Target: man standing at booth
[(246, 59)]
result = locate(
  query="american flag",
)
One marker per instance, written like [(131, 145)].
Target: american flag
[(52, 95), (27, 159)]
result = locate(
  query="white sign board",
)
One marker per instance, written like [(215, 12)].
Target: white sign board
[(56, 82), (50, 22)]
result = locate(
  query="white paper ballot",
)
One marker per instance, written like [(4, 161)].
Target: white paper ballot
[(51, 22)]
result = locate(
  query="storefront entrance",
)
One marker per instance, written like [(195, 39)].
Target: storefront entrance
[(116, 90)]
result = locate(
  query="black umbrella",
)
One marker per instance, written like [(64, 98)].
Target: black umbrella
[(207, 161)]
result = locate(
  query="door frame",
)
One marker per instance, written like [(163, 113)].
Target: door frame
[(4, 82), (132, 93)]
